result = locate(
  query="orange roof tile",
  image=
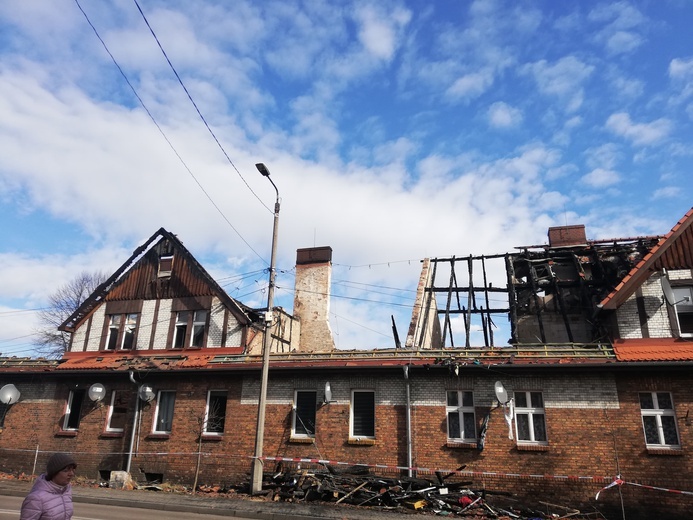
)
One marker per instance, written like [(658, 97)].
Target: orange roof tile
[(653, 349)]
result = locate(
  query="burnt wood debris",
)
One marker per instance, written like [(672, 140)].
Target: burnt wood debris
[(443, 496)]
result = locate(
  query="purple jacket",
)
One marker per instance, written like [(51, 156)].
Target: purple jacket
[(47, 501)]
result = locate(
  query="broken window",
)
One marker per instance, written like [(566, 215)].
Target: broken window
[(117, 412), (460, 414), (362, 414), (122, 331), (530, 420), (73, 410), (165, 265), (683, 296), (190, 329), (303, 424), (659, 419), (164, 411), (215, 412)]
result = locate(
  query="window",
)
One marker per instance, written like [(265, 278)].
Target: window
[(215, 412), (117, 413), (461, 418), (122, 331), (529, 418), (165, 265), (683, 296), (303, 424), (73, 411), (164, 411), (190, 328), (659, 419), (362, 413)]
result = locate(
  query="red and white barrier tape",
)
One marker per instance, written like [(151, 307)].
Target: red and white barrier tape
[(620, 482)]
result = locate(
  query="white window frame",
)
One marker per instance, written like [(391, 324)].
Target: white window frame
[(683, 296), (69, 410), (352, 434), (532, 413), (657, 412), (198, 323), (126, 324), (109, 417), (207, 406), (155, 425), (294, 415), (180, 324), (460, 410)]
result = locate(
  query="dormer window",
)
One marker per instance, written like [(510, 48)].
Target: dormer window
[(165, 265)]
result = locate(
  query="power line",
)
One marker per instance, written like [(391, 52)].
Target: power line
[(134, 91)]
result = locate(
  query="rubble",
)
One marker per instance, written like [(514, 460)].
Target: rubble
[(357, 486)]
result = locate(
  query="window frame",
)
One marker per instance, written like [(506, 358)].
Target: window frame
[(683, 298), (189, 325), (205, 426), (461, 410), (352, 410), (171, 394), (531, 412), (295, 415), (113, 404), (657, 412), (121, 331), (71, 421)]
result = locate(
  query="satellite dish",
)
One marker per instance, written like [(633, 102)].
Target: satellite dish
[(146, 393), (501, 392), (328, 392), (666, 288), (9, 394), (97, 392)]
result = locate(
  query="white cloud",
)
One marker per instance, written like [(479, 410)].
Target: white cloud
[(639, 133), (502, 115), (622, 21), (667, 192), (681, 68), (562, 79), (606, 156), (601, 178), (381, 29), (471, 85)]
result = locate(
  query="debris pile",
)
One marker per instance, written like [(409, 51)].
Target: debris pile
[(357, 486)]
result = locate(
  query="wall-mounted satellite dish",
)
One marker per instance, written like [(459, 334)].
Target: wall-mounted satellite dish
[(9, 394), (666, 288), (146, 393), (501, 392), (97, 392), (328, 392)]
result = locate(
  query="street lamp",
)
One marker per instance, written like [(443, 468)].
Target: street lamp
[(258, 464)]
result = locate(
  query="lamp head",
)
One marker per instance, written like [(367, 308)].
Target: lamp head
[(262, 169)]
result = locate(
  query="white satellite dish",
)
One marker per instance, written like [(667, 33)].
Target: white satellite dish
[(146, 393), (501, 392), (97, 392), (666, 288), (328, 392), (9, 394)]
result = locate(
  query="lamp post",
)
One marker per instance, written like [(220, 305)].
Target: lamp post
[(258, 464)]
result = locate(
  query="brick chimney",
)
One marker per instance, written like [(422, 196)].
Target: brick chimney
[(564, 236), (312, 298)]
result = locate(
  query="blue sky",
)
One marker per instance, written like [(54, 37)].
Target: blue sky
[(394, 130)]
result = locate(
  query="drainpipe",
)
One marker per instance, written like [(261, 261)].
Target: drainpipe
[(134, 423), (409, 454)]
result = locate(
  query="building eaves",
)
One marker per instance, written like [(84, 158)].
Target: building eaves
[(678, 258), (653, 349)]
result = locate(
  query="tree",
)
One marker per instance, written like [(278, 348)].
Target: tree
[(51, 342)]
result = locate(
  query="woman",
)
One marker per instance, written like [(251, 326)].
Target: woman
[(51, 496)]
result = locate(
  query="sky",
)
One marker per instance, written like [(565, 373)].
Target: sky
[(394, 130)]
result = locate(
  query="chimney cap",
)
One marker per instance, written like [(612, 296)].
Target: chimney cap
[(313, 255)]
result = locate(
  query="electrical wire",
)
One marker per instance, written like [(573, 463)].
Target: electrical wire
[(161, 131)]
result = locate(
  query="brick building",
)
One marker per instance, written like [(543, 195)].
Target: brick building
[(597, 375)]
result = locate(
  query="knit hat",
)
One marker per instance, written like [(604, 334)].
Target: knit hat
[(57, 463)]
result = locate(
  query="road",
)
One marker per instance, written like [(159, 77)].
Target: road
[(9, 510)]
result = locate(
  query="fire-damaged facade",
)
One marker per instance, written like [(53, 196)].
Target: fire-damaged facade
[(549, 373)]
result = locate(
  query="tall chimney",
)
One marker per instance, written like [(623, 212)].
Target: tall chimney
[(312, 298), (564, 236)]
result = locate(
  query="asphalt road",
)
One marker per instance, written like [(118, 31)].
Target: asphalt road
[(9, 510)]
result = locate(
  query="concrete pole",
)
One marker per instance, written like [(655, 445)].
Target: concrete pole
[(258, 463)]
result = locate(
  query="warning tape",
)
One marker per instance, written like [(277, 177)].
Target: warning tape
[(439, 470), (617, 481)]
